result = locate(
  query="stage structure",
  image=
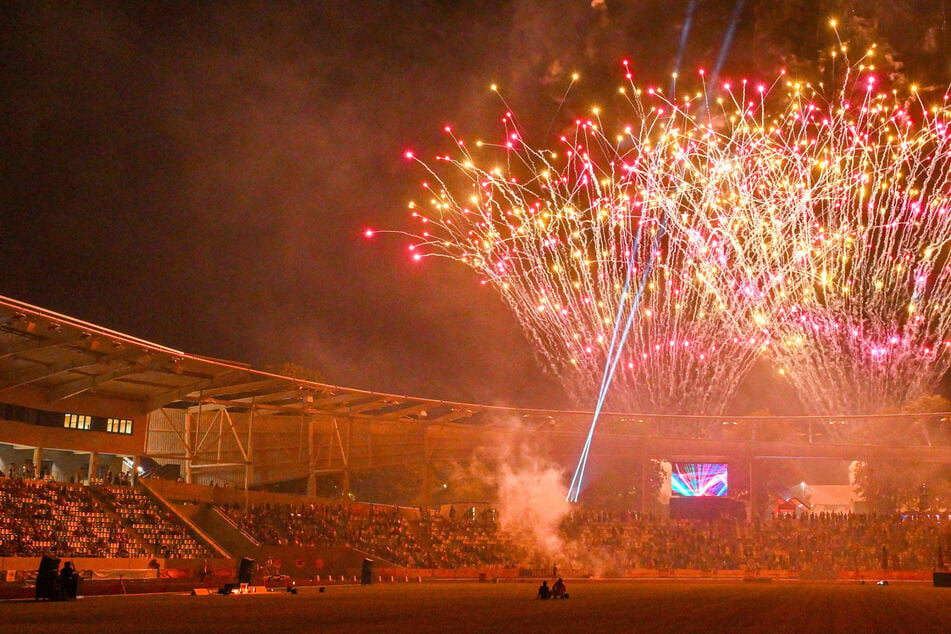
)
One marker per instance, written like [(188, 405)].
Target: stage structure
[(70, 385)]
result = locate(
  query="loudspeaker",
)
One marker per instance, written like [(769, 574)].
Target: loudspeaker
[(942, 579), (245, 570), (200, 592), (229, 588), (366, 572), (46, 578)]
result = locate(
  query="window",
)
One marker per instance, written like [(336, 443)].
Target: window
[(77, 421), (119, 426)]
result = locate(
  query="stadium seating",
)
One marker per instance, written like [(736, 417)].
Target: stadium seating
[(615, 541), (155, 526), (430, 542), (71, 520), (37, 517), (110, 521)]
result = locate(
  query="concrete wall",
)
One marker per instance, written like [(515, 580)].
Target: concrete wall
[(182, 492), (73, 439), (16, 433)]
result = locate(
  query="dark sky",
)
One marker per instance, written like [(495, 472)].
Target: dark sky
[(199, 174)]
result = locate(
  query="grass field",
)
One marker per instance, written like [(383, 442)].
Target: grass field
[(509, 607)]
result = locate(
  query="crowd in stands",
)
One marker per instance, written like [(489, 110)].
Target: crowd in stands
[(469, 541), (429, 540), (72, 520), (615, 541), (158, 528), (40, 517), (25, 470), (28, 471), (814, 542), (376, 530)]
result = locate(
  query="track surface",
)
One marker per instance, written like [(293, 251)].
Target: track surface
[(471, 607)]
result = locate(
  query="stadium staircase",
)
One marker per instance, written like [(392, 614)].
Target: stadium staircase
[(211, 524), (107, 507), (186, 515), (220, 529)]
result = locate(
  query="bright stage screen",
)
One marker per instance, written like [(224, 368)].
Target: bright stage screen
[(693, 479)]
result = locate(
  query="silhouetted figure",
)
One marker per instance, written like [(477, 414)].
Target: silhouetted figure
[(204, 571), (559, 591), (543, 591), (68, 581)]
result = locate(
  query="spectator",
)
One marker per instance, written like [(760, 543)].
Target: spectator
[(543, 591)]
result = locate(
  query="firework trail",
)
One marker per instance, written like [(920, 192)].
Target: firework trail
[(872, 332), (806, 227), (559, 232)]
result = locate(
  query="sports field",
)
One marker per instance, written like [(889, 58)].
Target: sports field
[(510, 607)]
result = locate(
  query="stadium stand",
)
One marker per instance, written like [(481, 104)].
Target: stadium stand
[(37, 517), (156, 527), (112, 521), (816, 542), (90, 405), (616, 541), (429, 541)]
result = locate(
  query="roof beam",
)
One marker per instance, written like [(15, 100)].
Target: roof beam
[(378, 403), (237, 388), (72, 388), (24, 376), (157, 401), (415, 409), (454, 416), (273, 397), (31, 345), (345, 399)]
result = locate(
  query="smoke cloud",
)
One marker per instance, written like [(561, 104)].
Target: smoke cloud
[(529, 489), (531, 505)]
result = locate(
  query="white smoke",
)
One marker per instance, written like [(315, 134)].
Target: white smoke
[(532, 504), (530, 490)]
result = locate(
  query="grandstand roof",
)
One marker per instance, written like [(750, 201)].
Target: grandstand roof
[(65, 357)]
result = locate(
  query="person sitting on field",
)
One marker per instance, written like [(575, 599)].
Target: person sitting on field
[(558, 591), (543, 591)]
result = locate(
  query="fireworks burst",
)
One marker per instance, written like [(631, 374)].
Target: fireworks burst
[(768, 220), (872, 332)]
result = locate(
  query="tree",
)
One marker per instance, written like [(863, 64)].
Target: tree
[(895, 485)]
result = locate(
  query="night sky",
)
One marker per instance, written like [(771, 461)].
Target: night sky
[(200, 176)]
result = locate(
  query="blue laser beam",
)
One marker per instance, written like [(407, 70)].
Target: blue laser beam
[(575, 487), (727, 41), (614, 351), (684, 33)]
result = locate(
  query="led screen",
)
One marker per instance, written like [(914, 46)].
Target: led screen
[(693, 479)]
